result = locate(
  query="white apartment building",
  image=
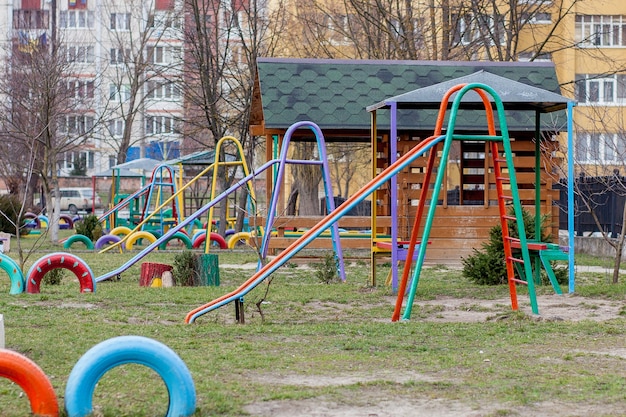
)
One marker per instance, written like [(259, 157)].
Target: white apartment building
[(126, 58)]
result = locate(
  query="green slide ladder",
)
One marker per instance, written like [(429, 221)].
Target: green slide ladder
[(507, 191)]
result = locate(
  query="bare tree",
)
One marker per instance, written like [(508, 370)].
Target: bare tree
[(45, 115), (600, 159), (348, 161), (142, 66), (433, 29), (223, 40)]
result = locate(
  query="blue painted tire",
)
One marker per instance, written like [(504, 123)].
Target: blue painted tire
[(130, 349), (18, 282)]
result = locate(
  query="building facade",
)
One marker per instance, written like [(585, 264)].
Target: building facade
[(123, 65)]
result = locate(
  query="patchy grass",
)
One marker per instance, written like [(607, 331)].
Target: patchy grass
[(325, 344)]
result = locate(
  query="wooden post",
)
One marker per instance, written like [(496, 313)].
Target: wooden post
[(239, 316)]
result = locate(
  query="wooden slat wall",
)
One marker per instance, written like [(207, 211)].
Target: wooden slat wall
[(457, 229)]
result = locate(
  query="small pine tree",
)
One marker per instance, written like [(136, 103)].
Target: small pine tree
[(90, 227), (184, 270), (488, 267)]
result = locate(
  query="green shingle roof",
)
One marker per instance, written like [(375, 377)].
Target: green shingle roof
[(335, 93)]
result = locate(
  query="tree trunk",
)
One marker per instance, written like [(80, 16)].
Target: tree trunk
[(306, 179)]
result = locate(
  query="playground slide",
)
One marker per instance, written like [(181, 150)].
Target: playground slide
[(213, 167), (124, 202), (190, 219), (316, 230)]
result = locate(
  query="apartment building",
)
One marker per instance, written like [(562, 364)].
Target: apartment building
[(594, 73), (124, 62), (585, 39)]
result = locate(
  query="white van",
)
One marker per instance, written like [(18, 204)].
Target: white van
[(75, 199)]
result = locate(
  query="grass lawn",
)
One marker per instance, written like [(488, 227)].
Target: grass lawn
[(330, 349)]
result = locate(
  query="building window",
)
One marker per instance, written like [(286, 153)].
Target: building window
[(164, 20), (120, 21), (163, 90), (76, 125), (119, 56), (119, 93), (527, 56), (598, 89), (82, 54), (30, 19), (537, 17), (600, 148), (163, 55), (156, 125), (81, 88), (116, 128), (77, 158), (76, 19), (472, 28), (600, 31)]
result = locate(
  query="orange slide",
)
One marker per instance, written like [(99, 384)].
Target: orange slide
[(316, 230)]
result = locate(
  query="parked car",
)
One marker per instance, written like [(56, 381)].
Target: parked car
[(75, 199)]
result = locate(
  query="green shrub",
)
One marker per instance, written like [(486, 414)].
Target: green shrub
[(53, 277), (184, 269), (10, 206), (326, 271), (488, 267), (90, 227)]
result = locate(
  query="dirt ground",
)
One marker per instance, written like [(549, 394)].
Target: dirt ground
[(375, 402)]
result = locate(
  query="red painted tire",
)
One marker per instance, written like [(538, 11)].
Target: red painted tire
[(29, 376), (60, 260), (215, 237)]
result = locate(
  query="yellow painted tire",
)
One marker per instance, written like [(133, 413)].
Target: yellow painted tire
[(142, 234), (120, 231), (237, 237)]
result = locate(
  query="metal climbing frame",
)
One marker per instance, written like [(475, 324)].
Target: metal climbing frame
[(507, 197), (328, 190)]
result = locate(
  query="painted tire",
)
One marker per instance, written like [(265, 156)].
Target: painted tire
[(106, 240), (43, 221), (197, 234), (60, 260), (130, 349), (78, 238), (228, 232), (142, 234), (215, 237), (15, 274), (31, 220), (33, 381), (196, 224), (237, 237), (67, 220), (120, 231), (180, 236)]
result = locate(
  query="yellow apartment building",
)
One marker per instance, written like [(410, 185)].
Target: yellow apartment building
[(585, 39)]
